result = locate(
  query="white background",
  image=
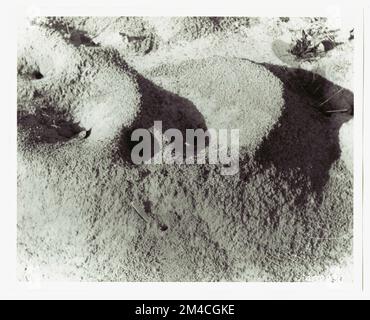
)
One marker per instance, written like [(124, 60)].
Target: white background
[(10, 288)]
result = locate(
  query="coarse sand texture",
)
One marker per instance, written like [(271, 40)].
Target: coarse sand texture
[(230, 93), (93, 86), (86, 212)]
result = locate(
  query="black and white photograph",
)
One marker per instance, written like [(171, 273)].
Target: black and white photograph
[(198, 149)]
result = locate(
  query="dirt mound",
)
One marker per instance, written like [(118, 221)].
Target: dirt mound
[(171, 29), (177, 29), (230, 93), (97, 217), (85, 85), (138, 36)]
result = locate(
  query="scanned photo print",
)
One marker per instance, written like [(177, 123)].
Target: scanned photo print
[(185, 149)]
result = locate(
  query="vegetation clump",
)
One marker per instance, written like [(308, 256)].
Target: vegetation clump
[(315, 41)]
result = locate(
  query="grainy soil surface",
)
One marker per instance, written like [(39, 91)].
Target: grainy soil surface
[(87, 213)]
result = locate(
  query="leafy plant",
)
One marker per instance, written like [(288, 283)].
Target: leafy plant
[(314, 42)]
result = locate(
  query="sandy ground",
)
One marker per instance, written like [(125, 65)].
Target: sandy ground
[(85, 83)]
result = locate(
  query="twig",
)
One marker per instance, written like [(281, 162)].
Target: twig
[(337, 111), (327, 100), (139, 213)]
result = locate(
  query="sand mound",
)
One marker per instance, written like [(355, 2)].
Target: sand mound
[(171, 29), (230, 93), (271, 223), (183, 29), (85, 85), (287, 216), (129, 35), (139, 36)]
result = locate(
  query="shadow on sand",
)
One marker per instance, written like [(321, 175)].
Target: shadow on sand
[(303, 145), (305, 141), (158, 104)]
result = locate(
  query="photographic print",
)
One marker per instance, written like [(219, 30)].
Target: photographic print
[(185, 149)]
